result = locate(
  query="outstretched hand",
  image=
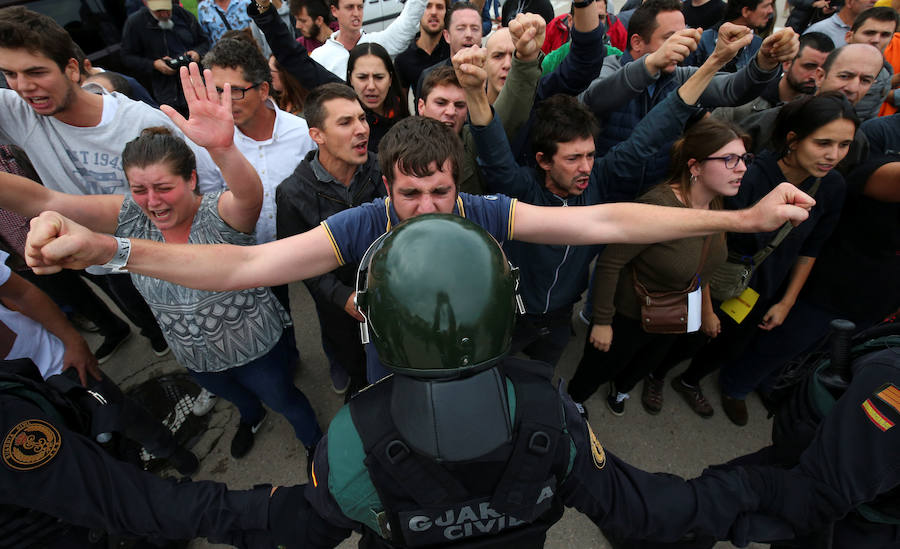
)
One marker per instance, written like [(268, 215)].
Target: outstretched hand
[(527, 31), (783, 203), (469, 66), (210, 123), (55, 242)]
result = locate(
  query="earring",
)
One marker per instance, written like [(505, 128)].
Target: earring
[(693, 179)]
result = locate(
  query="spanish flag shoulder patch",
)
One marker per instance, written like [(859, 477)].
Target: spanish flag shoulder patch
[(876, 416)]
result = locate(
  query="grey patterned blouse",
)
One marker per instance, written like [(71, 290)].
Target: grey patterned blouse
[(207, 331)]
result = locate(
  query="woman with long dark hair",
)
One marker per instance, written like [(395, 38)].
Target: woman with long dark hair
[(812, 135), (371, 73)]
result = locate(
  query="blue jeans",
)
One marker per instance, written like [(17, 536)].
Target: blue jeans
[(270, 379)]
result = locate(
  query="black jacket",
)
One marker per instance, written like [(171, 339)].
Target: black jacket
[(302, 201), (143, 42)]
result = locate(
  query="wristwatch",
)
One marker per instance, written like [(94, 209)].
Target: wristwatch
[(583, 4), (263, 5)]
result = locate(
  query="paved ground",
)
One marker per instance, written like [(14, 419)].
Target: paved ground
[(676, 441)]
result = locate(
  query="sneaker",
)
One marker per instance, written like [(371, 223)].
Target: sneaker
[(243, 438), (204, 402), (735, 409), (615, 401), (582, 410), (110, 345), (340, 380), (82, 323), (652, 395), (159, 345), (694, 397), (184, 461)]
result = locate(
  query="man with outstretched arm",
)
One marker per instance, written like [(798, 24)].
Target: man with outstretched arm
[(421, 168)]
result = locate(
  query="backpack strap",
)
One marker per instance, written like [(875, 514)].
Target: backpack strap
[(539, 429)]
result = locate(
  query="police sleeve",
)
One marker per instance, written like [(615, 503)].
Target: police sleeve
[(856, 446), (633, 504), (50, 469)]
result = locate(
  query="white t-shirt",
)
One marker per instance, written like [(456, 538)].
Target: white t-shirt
[(25, 338), (88, 160)]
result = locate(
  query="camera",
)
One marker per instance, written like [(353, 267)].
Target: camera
[(176, 63)]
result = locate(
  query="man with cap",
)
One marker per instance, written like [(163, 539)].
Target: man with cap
[(156, 40)]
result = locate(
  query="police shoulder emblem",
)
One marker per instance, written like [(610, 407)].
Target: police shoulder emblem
[(597, 452), (30, 444)]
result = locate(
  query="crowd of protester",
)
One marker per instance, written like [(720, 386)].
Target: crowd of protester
[(691, 105)]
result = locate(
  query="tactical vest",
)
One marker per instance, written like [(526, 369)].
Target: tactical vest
[(20, 527), (508, 497), (796, 422)]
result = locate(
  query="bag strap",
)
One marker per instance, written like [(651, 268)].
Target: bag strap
[(224, 19), (761, 255)]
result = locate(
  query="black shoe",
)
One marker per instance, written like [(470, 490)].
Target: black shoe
[(616, 406), (184, 461), (243, 438), (159, 346), (110, 344)]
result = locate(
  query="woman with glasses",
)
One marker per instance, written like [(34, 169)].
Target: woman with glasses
[(708, 162), (371, 73), (812, 135), (233, 343)]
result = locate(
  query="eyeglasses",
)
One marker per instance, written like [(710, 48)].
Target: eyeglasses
[(731, 160), (237, 93)]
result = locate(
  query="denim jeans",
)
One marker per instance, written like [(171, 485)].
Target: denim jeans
[(269, 379)]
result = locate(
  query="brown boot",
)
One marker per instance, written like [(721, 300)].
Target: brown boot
[(735, 409), (652, 395), (694, 398)]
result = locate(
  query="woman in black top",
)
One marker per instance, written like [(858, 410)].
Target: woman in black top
[(371, 73), (812, 135)]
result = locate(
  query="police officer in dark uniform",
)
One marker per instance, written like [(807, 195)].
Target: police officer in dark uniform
[(466, 447), (59, 488), (841, 425)]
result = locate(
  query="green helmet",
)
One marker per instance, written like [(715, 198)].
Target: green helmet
[(439, 297)]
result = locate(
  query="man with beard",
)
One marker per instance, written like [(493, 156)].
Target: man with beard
[(800, 77), (314, 22), (429, 48), (154, 37)]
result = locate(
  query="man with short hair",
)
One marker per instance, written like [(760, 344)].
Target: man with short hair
[(648, 72), (851, 70), (313, 22), (800, 76), (429, 47), (443, 99), (838, 25), (341, 174), (500, 49), (75, 137), (273, 141), (335, 52), (569, 175), (462, 29), (749, 13), (154, 38), (875, 26)]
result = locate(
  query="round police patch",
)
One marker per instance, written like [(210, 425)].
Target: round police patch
[(596, 449), (30, 444)]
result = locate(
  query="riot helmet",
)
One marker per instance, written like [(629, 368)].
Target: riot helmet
[(439, 297)]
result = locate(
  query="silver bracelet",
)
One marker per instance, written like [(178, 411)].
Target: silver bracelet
[(120, 259)]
